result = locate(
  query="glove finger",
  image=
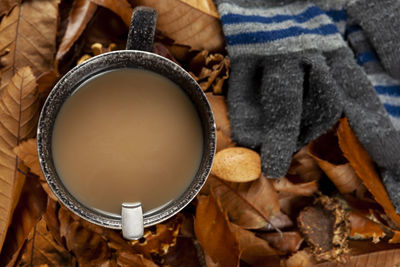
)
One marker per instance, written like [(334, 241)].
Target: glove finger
[(245, 110), (281, 98), (367, 116), (322, 105)]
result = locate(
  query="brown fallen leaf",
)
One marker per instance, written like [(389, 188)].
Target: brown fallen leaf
[(6, 6), (27, 152), (210, 70), (29, 33), (223, 141), (128, 258), (28, 212), (81, 13), (213, 231), (41, 249), (325, 228), (191, 25), (162, 50), (237, 164), (250, 205), (46, 81), (365, 169), (304, 166), (285, 242), (220, 111), (186, 252), (363, 228), (255, 251), (121, 7), (336, 167), (19, 108), (387, 258), (302, 258), (157, 243)]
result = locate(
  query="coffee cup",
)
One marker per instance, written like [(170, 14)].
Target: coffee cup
[(132, 218)]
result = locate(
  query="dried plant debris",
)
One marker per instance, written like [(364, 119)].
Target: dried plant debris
[(97, 49), (325, 227), (210, 70)]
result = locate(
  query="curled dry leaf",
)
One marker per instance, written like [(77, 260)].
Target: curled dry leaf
[(41, 249), (363, 228), (46, 81), (220, 111), (213, 231), (254, 250), (302, 258), (27, 152), (386, 258), (325, 227), (365, 169), (237, 164), (126, 258), (81, 13), (285, 242), (97, 49), (159, 242), (121, 7), (30, 208), (335, 167), (186, 252), (210, 70), (250, 205), (19, 108), (162, 50), (188, 24), (304, 166), (29, 34)]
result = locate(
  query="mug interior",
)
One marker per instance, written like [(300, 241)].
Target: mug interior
[(106, 62)]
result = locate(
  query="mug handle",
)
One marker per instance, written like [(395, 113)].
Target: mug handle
[(142, 29)]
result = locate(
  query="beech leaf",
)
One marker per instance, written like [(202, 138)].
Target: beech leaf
[(250, 205), (365, 169), (304, 166), (28, 212), (285, 242), (29, 34), (220, 111), (363, 228), (19, 108), (27, 152), (188, 22), (6, 6), (237, 164), (121, 7), (302, 258), (213, 231), (126, 258), (254, 250), (81, 13), (42, 249)]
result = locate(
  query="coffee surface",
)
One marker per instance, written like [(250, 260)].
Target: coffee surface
[(127, 135)]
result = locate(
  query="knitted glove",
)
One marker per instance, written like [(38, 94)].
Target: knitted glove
[(291, 72), (380, 20)]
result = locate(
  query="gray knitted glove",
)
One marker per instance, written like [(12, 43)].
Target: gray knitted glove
[(291, 74)]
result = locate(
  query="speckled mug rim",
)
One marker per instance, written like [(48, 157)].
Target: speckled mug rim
[(102, 63)]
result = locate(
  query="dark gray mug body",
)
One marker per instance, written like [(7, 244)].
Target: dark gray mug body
[(137, 55)]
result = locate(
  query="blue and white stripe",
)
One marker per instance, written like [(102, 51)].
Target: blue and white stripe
[(387, 88), (292, 28)]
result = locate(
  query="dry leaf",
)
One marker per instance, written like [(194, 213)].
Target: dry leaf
[(250, 205), (387, 258), (6, 6), (162, 50), (363, 228), (285, 242), (302, 258), (19, 108), (82, 11), (188, 24), (206, 6), (159, 242), (237, 164), (335, 167), (121, 7), (304, 166), (365, 169), (254, 250), (213, 231), (279, 221), (30, 208), (27, 152), (42, 249), (210, 70), (128, 258), (220, 111), (186, 252), (46, 81), (29, 32), (223, 141), (325, 228)]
